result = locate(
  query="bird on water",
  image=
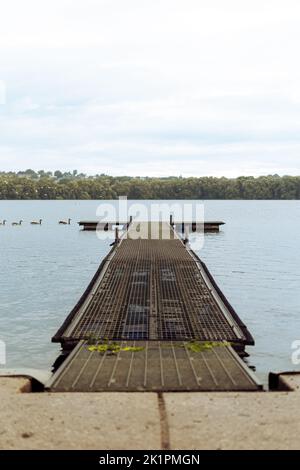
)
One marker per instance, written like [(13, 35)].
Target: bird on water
[(17, 223), (34, 222), (64, 222), (3, 222)]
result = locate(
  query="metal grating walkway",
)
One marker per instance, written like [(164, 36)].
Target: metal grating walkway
[(152, 319), (152, 366), (153, 290)]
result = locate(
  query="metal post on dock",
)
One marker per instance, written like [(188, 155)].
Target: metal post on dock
[(117, 238), (186, 235), (171, 220)]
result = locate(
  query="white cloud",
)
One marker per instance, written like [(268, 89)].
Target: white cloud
[(160, 87)]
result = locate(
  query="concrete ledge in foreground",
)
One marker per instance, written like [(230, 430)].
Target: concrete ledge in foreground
[(76, 420), (195, 420)]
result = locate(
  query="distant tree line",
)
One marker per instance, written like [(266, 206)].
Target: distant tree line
[(73, 185)]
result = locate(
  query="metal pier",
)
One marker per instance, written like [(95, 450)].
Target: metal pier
[(157, 295)]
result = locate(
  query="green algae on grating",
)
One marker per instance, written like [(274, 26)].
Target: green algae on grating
[(197, 346), (113, 348)]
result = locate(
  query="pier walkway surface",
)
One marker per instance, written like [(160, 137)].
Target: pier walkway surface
[(153, 319)]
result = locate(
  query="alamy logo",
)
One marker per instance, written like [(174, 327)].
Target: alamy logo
[(2, 353), (188, 214), (295, 358)]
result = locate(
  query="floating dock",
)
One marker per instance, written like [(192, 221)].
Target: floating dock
[(207, 226), (157, 304), (92, 225)]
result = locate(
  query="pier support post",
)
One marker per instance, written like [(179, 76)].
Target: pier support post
[(186, 236), (117, 238)]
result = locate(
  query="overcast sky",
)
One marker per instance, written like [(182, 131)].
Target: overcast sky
[(151, 87)]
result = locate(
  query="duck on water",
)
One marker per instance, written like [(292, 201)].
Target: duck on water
[(64, 222), (34, 222)]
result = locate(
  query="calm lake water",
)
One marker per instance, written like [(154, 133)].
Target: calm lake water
[(255, 259)]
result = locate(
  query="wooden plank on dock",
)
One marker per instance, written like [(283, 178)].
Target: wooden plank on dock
[(140, 366)]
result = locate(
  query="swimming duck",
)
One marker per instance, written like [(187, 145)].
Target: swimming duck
[(34, 222), (63, 222)]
